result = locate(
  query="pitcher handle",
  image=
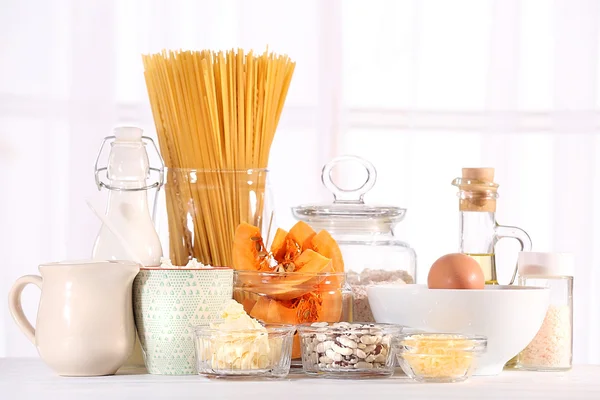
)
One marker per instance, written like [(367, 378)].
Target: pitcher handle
[(16, 308), (514, 233)]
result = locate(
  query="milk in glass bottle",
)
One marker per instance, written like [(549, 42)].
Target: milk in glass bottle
[(127, 174), (127, 207)]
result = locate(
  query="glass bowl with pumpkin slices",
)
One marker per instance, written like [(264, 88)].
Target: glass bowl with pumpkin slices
[(298, 279)]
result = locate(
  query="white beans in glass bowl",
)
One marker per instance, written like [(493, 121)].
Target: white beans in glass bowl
[(348, 350)]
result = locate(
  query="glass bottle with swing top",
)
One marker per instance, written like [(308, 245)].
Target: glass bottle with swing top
[(128, 207), (126, 177)]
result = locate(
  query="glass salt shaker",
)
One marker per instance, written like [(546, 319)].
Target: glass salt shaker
[(552, 347)]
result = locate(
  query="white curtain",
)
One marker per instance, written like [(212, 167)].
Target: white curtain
[(419, 87)]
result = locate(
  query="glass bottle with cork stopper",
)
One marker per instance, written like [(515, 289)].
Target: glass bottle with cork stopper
[(478, 230), (552, 348)]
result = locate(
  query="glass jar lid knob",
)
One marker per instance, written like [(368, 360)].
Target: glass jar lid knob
[(348, 196), (349, 206)]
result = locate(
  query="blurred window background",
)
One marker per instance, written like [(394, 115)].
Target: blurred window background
[(419, 87)]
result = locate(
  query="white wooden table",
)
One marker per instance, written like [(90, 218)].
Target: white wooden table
[(27, 378)]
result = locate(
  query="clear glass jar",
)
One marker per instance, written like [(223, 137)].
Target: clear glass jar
[(365, 234), (552, 347), (199, 210)]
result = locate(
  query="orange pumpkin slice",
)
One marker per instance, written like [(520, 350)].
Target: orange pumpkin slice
[(260, 309), (307, 308), (247, 243), (302, 234), (278, 247), (326, 245), (296, 348), (246, 298), (331, 306), (273, 311), (312, 262)]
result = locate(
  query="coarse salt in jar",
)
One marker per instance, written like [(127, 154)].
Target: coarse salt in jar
[(372, 253), (552, 348)]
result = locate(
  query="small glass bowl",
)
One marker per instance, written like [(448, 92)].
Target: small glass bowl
[(439, 357), (244, 352), (348, 350)]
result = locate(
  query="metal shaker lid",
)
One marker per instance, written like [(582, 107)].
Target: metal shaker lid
[(546, 264)]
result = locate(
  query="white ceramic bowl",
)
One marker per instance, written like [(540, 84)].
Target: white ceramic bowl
[(509, 316)]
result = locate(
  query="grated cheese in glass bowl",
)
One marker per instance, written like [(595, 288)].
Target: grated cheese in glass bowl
[(439, 357)]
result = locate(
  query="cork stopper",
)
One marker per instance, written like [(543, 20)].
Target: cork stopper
[(478, 174), (478, 192)]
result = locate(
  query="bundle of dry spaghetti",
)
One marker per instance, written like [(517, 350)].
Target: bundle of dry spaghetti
[(216, 114)]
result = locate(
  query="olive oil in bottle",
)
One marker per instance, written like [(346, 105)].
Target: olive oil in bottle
[(512, 363), (487, 262)]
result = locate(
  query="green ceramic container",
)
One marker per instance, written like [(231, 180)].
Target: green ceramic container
[(167, 304)]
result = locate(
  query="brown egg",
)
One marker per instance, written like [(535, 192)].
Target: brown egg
[(455, 271)]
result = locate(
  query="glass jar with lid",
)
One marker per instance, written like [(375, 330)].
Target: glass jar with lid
[(552, 347), (365, 234)]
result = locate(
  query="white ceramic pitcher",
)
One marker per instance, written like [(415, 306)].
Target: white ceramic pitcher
[(85, 321)]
